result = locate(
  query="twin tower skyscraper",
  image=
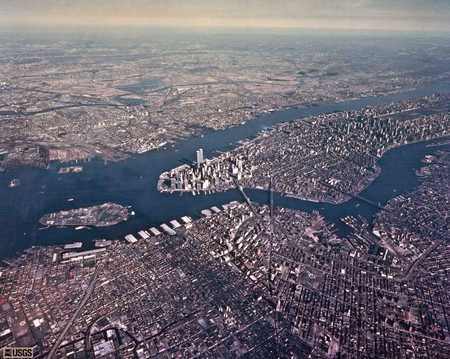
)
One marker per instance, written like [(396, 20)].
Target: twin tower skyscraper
[(200, 158)]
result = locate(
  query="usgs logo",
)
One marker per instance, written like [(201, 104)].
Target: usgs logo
[(17, 353)]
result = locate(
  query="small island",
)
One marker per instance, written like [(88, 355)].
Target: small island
[(14, 183), (104, 215), (71, 169)]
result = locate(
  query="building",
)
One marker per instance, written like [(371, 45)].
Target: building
[(200, 156)]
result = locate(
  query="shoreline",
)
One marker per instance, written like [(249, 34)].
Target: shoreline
[(172, 142), (133, 181)]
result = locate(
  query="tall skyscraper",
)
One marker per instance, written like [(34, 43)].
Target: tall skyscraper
[(200, 156)]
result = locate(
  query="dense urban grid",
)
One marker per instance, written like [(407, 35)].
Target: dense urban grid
[(75, 97), (247, 280), (244, 279), (325, 158)]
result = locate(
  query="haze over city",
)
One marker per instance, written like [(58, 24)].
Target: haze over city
[(225, 179), (417, 15)]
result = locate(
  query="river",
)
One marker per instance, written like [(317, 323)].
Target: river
[(132, 182)]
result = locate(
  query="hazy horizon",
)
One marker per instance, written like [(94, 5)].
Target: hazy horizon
[(396, 15)]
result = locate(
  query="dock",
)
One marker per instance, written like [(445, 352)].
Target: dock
[(230, 205), (144, 234), (130, 238), (75, 245), (206, 212), (154, 231), (186, 219), (101, 243), (75, 256), (175, 224), (168, 230), (172, 226), (215, 209)]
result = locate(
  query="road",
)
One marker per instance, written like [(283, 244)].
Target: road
[(411, 270), (86, 296), (245, 197)]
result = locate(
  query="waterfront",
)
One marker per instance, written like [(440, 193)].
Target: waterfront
[(133, 182)]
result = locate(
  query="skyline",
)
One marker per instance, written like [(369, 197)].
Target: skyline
[(400, 15), (225, 179)]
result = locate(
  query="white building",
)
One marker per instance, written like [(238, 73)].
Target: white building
[(200, 158)]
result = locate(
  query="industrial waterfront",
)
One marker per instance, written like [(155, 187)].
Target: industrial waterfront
[(133, 183)]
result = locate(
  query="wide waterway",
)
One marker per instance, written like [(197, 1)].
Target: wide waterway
[(133, 183)]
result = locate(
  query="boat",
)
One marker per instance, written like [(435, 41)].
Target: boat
[(81, 227)]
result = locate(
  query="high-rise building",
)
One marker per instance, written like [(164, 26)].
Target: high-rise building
[(200, 156)]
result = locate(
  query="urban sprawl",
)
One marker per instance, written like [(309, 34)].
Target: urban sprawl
[(260, 281)]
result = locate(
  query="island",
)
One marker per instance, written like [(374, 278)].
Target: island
[(104, 215), (327, 158), (71, 169), (14, 183)]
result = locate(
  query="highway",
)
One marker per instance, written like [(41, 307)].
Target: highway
[(87, 294), (245, 197), (411, 270)]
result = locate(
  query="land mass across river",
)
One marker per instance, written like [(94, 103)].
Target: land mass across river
[(133, 182), (104, 215), (112, 101), (254, 270), (325, 158)]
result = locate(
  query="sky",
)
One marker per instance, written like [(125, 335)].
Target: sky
[(418, 15)]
